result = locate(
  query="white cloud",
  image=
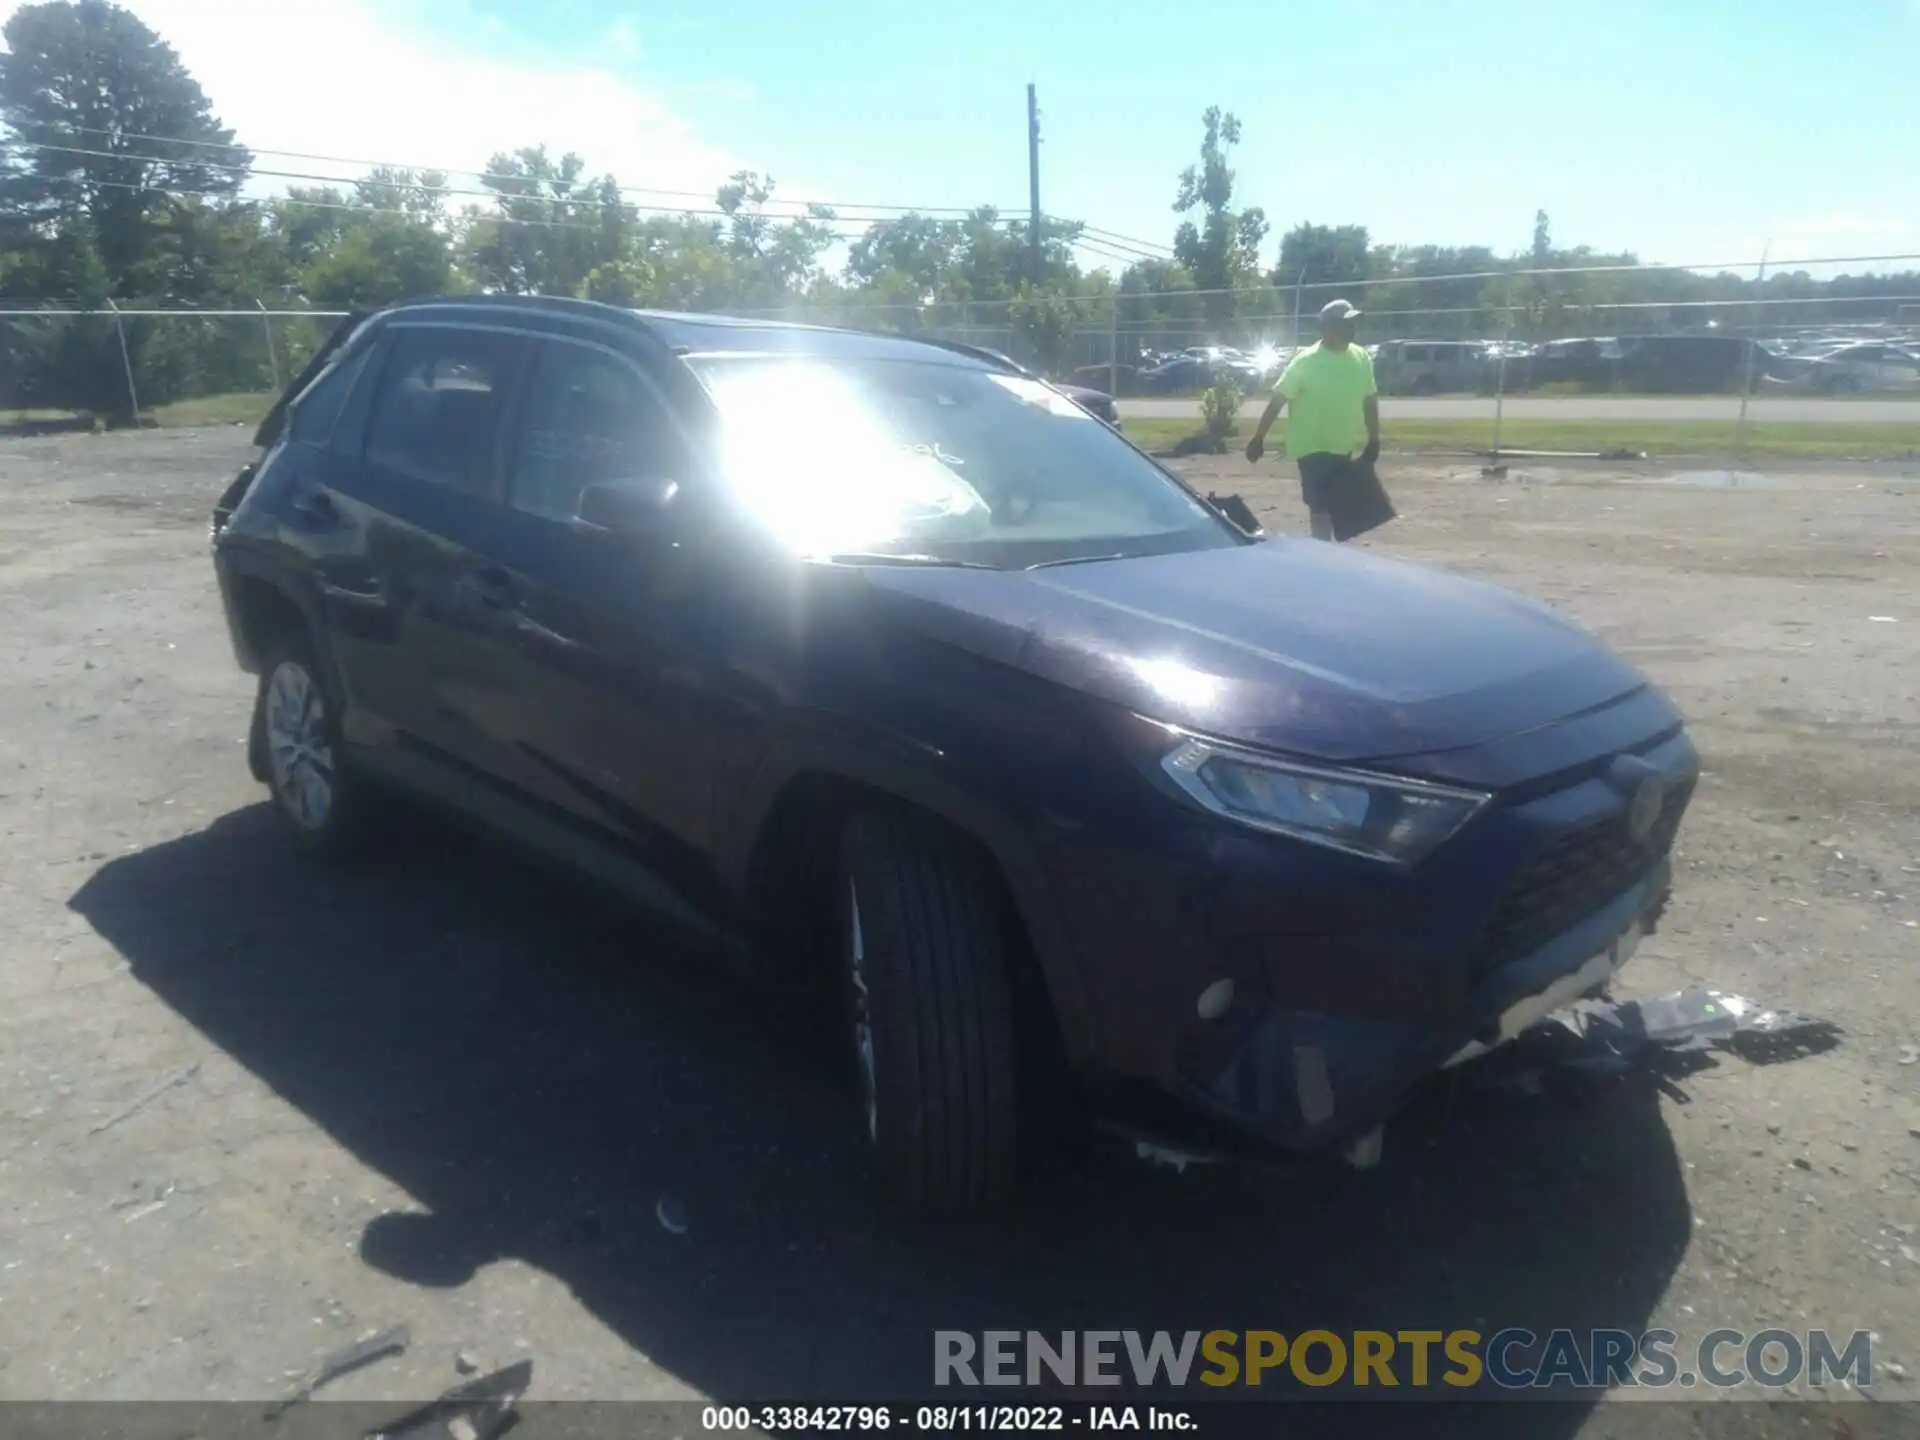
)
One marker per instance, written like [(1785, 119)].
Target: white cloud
[(346, 81), (623, 40), (1839, 234)]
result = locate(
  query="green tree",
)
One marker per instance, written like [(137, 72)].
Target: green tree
[(1221, 250), (101, 119), (549, 228), (1325, 255), (1043, 324), (775, 259), (920, 249), (379, 259)]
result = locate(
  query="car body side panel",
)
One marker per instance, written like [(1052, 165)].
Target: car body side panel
[(952, 773)]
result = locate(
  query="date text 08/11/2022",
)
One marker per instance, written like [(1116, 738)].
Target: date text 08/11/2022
[(942, 1419)]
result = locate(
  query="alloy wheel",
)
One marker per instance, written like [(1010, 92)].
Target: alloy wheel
[(298, 752), (862, 1005)]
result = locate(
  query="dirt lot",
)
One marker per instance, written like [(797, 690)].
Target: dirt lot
[(450, 1091)]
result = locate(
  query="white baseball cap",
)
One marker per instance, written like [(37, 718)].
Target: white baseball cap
[(1337, 310)]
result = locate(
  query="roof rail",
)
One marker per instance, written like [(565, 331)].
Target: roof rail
[(961, 347), (597, 308)]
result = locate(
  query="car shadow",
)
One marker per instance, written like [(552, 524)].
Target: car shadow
[(541, 1066)]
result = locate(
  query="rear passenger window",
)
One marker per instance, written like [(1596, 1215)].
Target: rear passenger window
[(319, 409), (589, 419), (437, 415)]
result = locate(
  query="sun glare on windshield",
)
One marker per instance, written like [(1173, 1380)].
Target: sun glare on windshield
[(804, 448)]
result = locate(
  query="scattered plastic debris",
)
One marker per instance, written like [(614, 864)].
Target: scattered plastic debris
[(476, 1410), (340, 1362), (1598, 1040), (1883, 619), (671, 1214), (1909, 1054), (1364, 1152), (1156, 1154), (147, 1099), (466, 1362)]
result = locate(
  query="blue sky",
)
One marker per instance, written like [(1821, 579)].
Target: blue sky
[(1686, 130)]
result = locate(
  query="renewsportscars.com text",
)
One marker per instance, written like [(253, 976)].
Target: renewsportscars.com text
[(1375, 1360)]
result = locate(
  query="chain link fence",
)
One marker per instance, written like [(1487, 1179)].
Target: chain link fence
[(1540, 333), (167, 365)]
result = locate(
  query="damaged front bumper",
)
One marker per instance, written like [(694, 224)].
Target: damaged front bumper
[(1300, 1080)]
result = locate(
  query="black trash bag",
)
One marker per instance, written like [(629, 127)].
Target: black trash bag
[(1358, 502)]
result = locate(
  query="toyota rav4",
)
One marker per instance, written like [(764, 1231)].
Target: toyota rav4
[(882, 661)]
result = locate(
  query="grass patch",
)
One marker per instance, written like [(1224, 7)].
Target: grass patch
[(1769, 439), (241, 409)]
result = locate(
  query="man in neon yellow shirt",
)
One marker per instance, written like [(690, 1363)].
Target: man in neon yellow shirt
[(1336, 409)]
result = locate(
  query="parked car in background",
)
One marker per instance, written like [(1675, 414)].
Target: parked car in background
[(1115, 380), (1691, 364), (1097, 401), (1430, 367), (1856, 370), (1194, 372), (910, 686), (1589, 362)]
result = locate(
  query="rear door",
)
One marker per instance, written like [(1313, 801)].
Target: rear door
[(423, 490)]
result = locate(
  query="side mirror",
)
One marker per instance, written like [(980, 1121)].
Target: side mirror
[(1236, 512), (628, 507)]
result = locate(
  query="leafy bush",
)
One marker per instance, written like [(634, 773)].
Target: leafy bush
[(1220, 414)]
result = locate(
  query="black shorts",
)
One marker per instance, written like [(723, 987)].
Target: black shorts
[(1322, 476)]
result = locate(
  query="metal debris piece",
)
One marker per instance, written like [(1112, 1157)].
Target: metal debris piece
[(480, 1409), (466, 1362), (340, 1362), (1364, 1151), (1605, 1039), (1156, 1154), (147, 1099)]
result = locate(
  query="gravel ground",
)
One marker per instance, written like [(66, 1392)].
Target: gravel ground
[(250, 1109)]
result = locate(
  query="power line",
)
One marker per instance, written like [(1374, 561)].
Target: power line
[(846, 227), (585, 200), (1114, 249), (482, 175), (180, 193), (1095, 247), (1152, 247)]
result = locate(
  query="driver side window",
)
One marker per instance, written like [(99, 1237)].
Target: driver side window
[(589, 419)]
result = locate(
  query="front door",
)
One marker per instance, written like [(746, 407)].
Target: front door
[(607, 677)]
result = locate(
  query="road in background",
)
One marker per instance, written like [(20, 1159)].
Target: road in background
[(1591, 407)]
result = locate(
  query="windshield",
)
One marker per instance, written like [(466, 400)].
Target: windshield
[(941, 461)]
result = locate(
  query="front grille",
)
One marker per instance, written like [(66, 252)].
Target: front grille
[(1576, 874)]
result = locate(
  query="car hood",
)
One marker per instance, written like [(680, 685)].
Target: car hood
[(1293, 645)]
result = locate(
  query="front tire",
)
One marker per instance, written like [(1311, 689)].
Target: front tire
[(924, 953), (296, 743)]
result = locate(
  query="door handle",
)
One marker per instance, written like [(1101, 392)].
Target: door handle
[(492, 586), (316, 507)]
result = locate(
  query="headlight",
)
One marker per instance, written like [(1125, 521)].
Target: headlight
[(1378, 816)]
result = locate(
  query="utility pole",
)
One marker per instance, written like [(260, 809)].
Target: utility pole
[(1033, 184)]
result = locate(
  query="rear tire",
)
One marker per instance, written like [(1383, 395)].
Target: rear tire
[(295, 740), (924, 955)]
